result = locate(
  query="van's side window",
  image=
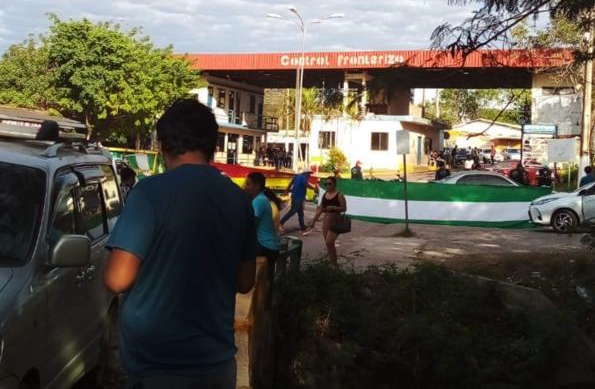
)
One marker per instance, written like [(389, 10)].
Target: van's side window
[(91, 218), (63, 223), (111, 196)]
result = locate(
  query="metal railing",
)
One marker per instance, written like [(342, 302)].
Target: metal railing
[(251, 120)]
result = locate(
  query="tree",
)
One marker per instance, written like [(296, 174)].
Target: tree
[(116, 82), (25, 78), (491, 25), (460, 105)]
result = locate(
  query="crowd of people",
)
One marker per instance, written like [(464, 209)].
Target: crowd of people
[(274, 157)]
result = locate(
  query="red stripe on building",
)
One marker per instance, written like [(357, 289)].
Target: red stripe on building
[(382, 60)]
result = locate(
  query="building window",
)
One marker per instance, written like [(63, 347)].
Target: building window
[(379, 141), (211, 92), (555, 91), (326, 139), (248, 147), (221, 100), (220, 142), (252, 104), (232, 100)]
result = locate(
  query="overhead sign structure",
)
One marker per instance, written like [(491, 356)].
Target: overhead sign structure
[(534, 142), (540, 129), (562, 150)]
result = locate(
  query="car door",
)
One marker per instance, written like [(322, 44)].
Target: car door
[(75, 323), (63, 287), (588, 199), (92, 221)]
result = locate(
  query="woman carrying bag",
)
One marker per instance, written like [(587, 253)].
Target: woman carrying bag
[(333, 205)]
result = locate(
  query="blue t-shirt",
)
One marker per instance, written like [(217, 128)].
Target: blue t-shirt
[(265, 227), (589, 178), (191, 227), (300, 184)]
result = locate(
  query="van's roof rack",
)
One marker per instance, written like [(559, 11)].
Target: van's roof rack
[(32, 133)]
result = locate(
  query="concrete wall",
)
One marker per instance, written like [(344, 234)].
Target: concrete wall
[(555, 102)]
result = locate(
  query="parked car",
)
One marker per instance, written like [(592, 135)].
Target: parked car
[(565, 212), (504, 168), (55, 218), (478, 178), (461, 156), (512, 154)]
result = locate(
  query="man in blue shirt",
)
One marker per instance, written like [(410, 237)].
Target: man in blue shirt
[(298, 187), (589, 176), (183, 246)]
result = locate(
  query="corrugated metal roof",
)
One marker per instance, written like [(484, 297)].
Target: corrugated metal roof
[(428, 59)]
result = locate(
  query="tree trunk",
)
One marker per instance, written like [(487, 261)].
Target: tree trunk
[(89, 126)]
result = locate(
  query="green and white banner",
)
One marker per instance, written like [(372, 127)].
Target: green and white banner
[(431, 203)]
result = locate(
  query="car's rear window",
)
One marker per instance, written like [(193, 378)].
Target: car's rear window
[(22, 191)]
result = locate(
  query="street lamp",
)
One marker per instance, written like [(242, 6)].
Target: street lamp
[(303, 26)]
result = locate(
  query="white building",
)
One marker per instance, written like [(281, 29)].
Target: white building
[(242, 126), (372, 140)]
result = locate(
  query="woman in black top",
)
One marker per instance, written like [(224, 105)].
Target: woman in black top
[(333, 203)]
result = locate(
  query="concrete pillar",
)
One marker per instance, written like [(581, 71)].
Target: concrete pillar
[(240, 146), (226, 139), (364, 101), (345, 95)]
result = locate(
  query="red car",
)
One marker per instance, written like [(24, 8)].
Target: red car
[(504, 168)]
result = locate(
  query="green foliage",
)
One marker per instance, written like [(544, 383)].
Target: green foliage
[(426, 328), (459, 105), (494, 21), (25, 78), (117, 82), (336, 160)]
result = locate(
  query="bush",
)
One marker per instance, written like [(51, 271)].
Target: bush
[(336, 160), (425, 328)]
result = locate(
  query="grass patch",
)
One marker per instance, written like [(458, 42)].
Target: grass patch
[(421, 328)]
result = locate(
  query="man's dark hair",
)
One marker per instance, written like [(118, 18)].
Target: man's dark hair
[(258, 178), (188, 126), (588, 169)]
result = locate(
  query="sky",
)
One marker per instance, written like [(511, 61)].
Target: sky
[(199, 26)]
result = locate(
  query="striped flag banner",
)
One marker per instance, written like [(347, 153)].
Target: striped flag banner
[(432, 203)]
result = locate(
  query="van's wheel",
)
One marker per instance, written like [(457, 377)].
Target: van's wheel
[(109, 369), (564, 221)]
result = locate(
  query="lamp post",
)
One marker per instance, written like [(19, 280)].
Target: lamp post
[(303, 26)]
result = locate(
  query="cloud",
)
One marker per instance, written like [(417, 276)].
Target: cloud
[(241, 25)]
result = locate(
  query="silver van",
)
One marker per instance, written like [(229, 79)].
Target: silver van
[(58, 203)]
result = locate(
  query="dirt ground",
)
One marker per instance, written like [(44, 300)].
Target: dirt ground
[(376, 244)]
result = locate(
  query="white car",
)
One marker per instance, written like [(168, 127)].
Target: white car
[(512, 154), (565, 212), (478, 178)]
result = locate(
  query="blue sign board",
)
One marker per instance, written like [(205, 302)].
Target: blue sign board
[(540, 129)]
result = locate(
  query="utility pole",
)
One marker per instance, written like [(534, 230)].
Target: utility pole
[(303, 26), (437, 103), (585, 159)]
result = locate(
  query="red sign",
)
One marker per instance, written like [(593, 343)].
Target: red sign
[(381, 59)]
